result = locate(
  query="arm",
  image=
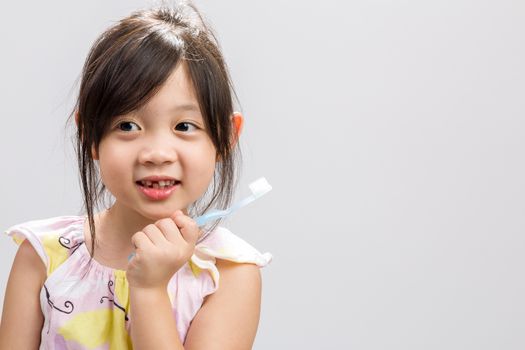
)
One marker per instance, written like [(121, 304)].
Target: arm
[(161, 249), (152, 322), (227, 320), (22, 317), (229, 317)]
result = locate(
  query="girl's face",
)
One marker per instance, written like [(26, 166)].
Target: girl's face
[(166, 138)]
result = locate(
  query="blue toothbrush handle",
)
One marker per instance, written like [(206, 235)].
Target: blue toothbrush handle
[(217, 214), (211, 215)]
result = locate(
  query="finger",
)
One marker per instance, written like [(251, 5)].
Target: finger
[(140, 241), (170, 230), (187, 226), (154, 234)]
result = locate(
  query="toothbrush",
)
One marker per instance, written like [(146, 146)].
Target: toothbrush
[(258, 187)]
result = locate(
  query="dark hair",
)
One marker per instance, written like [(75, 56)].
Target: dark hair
[(127, 65)]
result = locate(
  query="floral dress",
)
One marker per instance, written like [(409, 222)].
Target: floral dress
[(86, 305)]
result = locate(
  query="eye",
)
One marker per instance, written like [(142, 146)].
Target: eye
[(185, 126), (128, 126)]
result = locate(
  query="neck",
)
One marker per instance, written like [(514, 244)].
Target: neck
[(118, 225), (114, 229)]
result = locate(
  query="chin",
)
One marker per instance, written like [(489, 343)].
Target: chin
[(160, 213)]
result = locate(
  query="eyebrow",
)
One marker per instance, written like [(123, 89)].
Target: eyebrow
[(186, 107)]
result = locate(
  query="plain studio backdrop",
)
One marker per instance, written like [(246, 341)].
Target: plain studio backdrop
[(391, 131)]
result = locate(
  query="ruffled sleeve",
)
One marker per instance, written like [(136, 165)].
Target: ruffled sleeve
[(223, 244), (53, 239)]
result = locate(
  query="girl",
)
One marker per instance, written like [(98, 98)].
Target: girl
[(156, 127)]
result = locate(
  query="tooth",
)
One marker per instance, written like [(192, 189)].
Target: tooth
[(162, 183), (148, 183), (155, 185)]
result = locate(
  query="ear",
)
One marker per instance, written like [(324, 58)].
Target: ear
[(94, 154), (238, 122)]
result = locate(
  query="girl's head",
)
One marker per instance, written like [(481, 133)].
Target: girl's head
[(146, 80)]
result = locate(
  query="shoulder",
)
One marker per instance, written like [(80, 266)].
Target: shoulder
[(28, 272), (223, 244), (239, 290), (29, 263), (39, 229), (223, 253), (52, 239), (233, 272), (240, 287), (229, 318), (238, 264)]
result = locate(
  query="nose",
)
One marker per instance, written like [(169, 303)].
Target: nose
[(158, 152)]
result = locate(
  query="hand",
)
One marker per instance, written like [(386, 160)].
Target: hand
[(161, 249)]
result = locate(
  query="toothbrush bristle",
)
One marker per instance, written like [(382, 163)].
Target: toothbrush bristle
[(260, 187)]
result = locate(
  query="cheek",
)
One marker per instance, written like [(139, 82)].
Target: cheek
[(205, 167), (112, 163)]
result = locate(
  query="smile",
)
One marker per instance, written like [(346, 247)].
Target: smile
[(157, 184), (157, 190)]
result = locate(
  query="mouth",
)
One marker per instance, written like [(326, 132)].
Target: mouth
[(157, 184), (157, 190)]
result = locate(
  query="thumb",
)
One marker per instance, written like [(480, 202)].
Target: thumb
[(187, 226)]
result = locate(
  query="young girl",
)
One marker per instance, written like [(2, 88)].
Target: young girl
[(156, 129)]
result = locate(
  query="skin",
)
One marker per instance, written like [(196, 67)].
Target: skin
[(154, 140)]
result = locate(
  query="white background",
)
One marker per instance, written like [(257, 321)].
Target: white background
[(391, 131)]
